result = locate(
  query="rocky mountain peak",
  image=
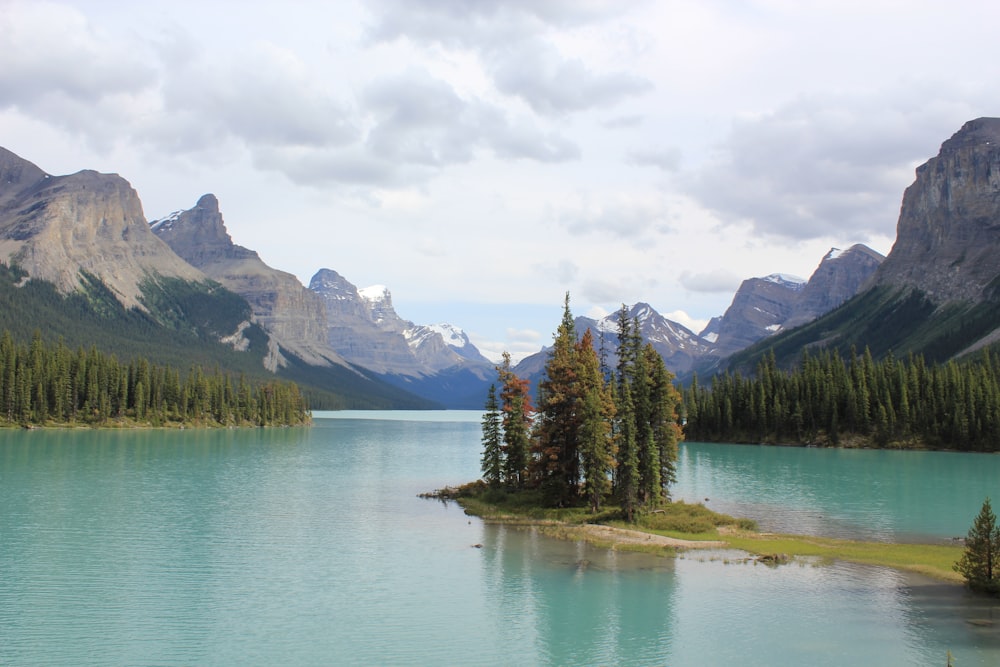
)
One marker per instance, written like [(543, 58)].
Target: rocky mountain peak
[(948, 233), (294, 315), (17, 174), (57, 227), (199, 234)]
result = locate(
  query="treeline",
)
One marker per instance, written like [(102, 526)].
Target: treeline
[(598, 434), (52, 384), (827, 400)]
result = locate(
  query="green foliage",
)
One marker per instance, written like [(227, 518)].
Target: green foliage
[(42, 384), (492, 460), (980, 562), (887, 403), (588, 442), (180, 327), (884, 320)]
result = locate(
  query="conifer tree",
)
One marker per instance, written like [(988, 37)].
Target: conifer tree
[(518, 414), (558, 426), (492, 461), (980, 563), (596, 413)]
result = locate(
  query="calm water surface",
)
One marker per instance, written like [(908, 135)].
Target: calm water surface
[(310, 546)]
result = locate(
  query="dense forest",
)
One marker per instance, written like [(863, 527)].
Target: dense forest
[(829, 401), (44, 384), (598, 434)]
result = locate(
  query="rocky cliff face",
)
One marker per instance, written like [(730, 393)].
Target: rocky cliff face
[(948, 234), (294, 315), (759, 308), (840, 275), (765, 306), (364, 327), (55, 227)]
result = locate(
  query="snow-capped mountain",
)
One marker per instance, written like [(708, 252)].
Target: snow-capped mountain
[(435, 361)]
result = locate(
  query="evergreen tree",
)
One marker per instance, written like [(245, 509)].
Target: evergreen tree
[(557, 465), (980, 563), (596, 412), (518, 414), (492, 461)]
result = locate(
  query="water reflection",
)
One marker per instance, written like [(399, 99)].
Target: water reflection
[(578, 604)]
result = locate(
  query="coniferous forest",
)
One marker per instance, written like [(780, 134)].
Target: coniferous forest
[(598, 434), (44, 384), (827, 400)]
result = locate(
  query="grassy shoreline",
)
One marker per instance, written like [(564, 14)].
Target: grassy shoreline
[(680, 526)]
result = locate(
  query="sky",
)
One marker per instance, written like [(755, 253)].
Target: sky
[(483, 158)]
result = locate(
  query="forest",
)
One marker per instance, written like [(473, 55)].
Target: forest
[(51, 384), (827, 400), (597, 435)]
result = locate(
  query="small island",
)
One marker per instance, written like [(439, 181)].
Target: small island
[(595, 460)]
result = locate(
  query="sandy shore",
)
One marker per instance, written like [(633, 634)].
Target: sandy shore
[(623, 536)]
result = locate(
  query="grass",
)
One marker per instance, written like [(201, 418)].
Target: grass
[(696, 522)]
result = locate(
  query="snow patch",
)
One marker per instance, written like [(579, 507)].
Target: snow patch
[(712, 337), (835, 253), (374, 293), (165, 223), (785, 279)]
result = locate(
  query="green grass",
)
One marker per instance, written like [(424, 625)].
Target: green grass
[(695, 522), (933, 560)]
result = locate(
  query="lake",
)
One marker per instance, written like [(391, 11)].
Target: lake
[(309, 546)]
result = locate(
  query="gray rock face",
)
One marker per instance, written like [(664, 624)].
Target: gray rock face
[(759, 308), (948, 234), (55, 227), (765, 306), (292, 314), (840, 276), (365, 329)]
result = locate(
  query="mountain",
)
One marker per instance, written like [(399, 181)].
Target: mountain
[(63, 228), (293, 314), (80, 263), (763, 307), (680, 347), (938, 291), (840, 275), (759, 308), (437, 362)]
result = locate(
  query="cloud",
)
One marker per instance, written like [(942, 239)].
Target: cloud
[(553, 85), (623, 217), (57, 66), (824, 165), (511, 39), (420, 119), (667, 159), (714, 281)]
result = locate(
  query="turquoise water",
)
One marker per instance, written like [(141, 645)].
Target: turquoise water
[(309, 546)]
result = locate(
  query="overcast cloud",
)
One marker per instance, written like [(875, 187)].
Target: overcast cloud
[(482, 158)]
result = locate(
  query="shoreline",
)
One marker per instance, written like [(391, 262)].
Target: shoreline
[(930, 560)]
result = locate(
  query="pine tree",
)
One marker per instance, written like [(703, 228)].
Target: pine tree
[(596, 412), (558, 426), (518, 414), (980, 563), (492, 461)]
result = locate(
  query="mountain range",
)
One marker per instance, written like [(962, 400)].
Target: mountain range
[(179, 285)]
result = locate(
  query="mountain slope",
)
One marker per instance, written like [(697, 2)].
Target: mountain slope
[(437, 362), (295, 316), (58, 228), (938, 291)]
